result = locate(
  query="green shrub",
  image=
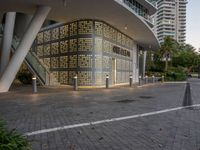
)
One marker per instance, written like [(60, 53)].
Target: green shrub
[(156, 74), (24, 77), (176, 74), (12, 140)]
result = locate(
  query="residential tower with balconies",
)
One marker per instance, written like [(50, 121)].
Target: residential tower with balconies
[(170, 20)]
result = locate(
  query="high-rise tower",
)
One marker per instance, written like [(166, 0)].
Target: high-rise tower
[(170, 20)]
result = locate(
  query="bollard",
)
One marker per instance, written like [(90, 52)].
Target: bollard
[(162, 79), (107, 81), (156, 79), (75, 83), (34, 83), (140, 80), (131, 80), (146, 79), (153, 79)]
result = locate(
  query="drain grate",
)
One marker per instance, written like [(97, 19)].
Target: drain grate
[(126, 101), (146, 97)]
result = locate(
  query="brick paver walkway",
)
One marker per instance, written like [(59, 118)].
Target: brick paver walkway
[(50, 108)]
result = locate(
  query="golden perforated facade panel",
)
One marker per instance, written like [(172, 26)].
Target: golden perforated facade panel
[(90, 49)]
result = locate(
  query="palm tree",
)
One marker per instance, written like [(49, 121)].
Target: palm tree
[(168, 49), (186, 47)]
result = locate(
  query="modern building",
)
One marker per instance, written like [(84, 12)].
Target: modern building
[(90, 39), (170, 20)]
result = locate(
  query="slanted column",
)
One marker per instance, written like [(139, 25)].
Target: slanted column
[(7, 40), (27, 40)]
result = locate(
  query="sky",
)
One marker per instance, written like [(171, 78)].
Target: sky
[(193, 23)]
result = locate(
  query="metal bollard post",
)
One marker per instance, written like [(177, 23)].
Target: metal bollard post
[(140, 80), (131, 80), (163, 79), (107, 81), (156, 80), (34, 83), (146, 79), (75, 83), (153, 79)]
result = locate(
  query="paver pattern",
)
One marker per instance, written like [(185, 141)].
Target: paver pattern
[(177, 130)]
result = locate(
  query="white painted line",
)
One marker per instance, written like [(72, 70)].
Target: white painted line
[(108, 120)]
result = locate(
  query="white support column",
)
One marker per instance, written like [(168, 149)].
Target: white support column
[(134, 62), (7, 40), (28, 38), (144, 63)]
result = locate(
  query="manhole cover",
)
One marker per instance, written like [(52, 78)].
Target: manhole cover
[(126, 101), (146, 97)]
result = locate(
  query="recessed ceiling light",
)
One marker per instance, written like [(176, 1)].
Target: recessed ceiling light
[(125, 27)]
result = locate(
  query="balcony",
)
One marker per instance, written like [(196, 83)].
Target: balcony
[(153, 2), (141, 12)]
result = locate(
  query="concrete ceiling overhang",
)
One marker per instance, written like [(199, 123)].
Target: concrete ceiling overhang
[(113, 12)]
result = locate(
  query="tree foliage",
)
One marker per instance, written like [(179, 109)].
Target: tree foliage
[(168, 49), (179, 60), (186, 57)]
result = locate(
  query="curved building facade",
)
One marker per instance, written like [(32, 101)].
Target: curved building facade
[(90, 49), (109, 41)]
